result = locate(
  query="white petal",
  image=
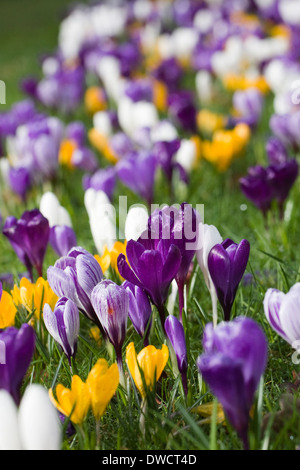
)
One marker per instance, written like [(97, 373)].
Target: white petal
[(9, 432), (39, 425), (136, 222)]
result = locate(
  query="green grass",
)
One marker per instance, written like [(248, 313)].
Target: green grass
[(29, 30)]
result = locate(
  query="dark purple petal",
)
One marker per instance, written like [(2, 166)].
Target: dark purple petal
[(19, 346)]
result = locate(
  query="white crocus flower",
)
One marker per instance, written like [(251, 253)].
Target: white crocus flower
[(55, 213), (136, 222), (133, 116), (290, 11), (164, 131), (204, 86), (102, 123), (186, 155), (209, 236), (33, 426), (102, 219)]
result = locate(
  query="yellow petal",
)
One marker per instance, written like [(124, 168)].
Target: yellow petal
[(102, 382), (150, 361), (7, 310), (72, 402)]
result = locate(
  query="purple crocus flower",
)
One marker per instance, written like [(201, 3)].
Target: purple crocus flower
[(137, 172), (248, 103), (151, 266), (227, 263), (103, 179), (283, 313), (139, 310), (19, 180), (63, 325), (17, 346), (169, 72), (234, 359), (276, 151), (111, 304), (257, 189), (139, 90), (29, 237), (181, 106), (281, 179), (62, 238), (76, 131), (179, 225), (74, 276), (175, 332), (165, 152), (85, 159)]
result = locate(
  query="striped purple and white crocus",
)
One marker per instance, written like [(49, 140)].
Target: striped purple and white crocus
[(283, 313), (63, 325)]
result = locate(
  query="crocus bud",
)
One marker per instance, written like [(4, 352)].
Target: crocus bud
[(234, 359), (139, 310), (175, 333), (62, 239), (29, 237), (111, 304), (63, 325), (227, 263), (19, 346)]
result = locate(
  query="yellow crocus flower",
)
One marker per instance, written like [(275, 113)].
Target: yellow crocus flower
[(110, 257), (101, 143), (150, 362), (234, 82), (208, 121), (66, 151), (74, 402), (94, 99), (160, 95), (34, 296), (102, 383), (7, 310)]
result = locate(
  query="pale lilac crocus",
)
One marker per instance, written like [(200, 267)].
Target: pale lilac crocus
[(62, 238), (111, 305)]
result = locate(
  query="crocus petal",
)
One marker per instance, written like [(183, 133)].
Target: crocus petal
[(39, 425), (9, 429), (272, 303)]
